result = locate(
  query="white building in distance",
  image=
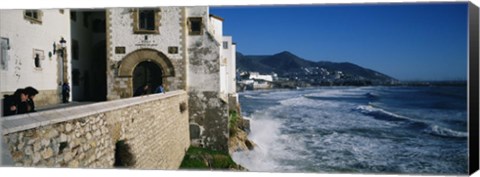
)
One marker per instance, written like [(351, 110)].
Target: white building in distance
[(258, 76)]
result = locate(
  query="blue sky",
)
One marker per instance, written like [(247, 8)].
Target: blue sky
[(406, 41)]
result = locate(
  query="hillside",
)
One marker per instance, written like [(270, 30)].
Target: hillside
[(291, 67)]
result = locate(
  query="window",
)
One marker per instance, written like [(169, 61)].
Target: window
[(37, 61), (225, 45), (34, 16), (73, 15), (37, 58), (4, 47), (146, 21), (75, 49), (195, 25)]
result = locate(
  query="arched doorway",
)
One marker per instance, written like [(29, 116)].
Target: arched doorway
[(147, 62), (147, 72)]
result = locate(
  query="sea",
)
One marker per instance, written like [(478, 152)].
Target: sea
[(385, 130)]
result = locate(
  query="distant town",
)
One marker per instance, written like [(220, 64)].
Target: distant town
[(255, 81), (289, 71)]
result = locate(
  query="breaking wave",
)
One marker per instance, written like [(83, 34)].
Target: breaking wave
[(381, 114), (445, 132), (357, 130)]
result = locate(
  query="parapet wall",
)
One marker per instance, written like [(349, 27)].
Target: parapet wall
[(154, 129)]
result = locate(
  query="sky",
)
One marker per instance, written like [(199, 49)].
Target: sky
[(421, 41)]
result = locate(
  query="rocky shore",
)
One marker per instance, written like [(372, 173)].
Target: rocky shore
[(239, 129)]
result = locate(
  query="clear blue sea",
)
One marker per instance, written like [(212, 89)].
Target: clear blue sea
[(412, 130)]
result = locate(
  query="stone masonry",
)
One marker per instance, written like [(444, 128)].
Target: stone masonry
[(155, 127)]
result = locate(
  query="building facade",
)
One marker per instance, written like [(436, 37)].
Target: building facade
[(113, 52), (31, 54)]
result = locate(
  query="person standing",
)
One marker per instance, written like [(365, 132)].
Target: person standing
[(160, 89), (65, 92), (31, 95), (143, 90)]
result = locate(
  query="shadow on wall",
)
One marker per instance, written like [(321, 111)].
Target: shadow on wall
[(123, 156)]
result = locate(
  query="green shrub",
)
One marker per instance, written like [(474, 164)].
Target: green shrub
[(233, 119), (201, 158)]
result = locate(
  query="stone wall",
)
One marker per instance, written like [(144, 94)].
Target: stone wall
[(155, 127), (208, 112)]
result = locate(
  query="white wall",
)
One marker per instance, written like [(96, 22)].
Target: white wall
[(229, 54), (24, 37), (233, 71), (216, 28)]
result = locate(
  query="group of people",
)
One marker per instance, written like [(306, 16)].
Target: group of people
[(145, 89), (20, 102)]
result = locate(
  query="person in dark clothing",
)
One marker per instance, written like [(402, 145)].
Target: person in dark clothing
[(143, 90), (65, 92), (23, 106), (31, 95), (16, 103), (9, 105)]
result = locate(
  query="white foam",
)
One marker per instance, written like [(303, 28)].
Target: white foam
[(264, 132), (341, 92), (442, 131), (371, 109), (272, 146), (252, 97)]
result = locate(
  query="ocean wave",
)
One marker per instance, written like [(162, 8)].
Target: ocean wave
[(309, 103), (252, 97), (436, 130), (445, 132), (344, 95), (335, 93), (380, 113), (372, 95)]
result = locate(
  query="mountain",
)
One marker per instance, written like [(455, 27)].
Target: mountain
[(290, 66), (251, 63)]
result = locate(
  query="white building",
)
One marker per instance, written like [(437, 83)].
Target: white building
[(30, 52), (227, 58), (258, 76), (229, 51)]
